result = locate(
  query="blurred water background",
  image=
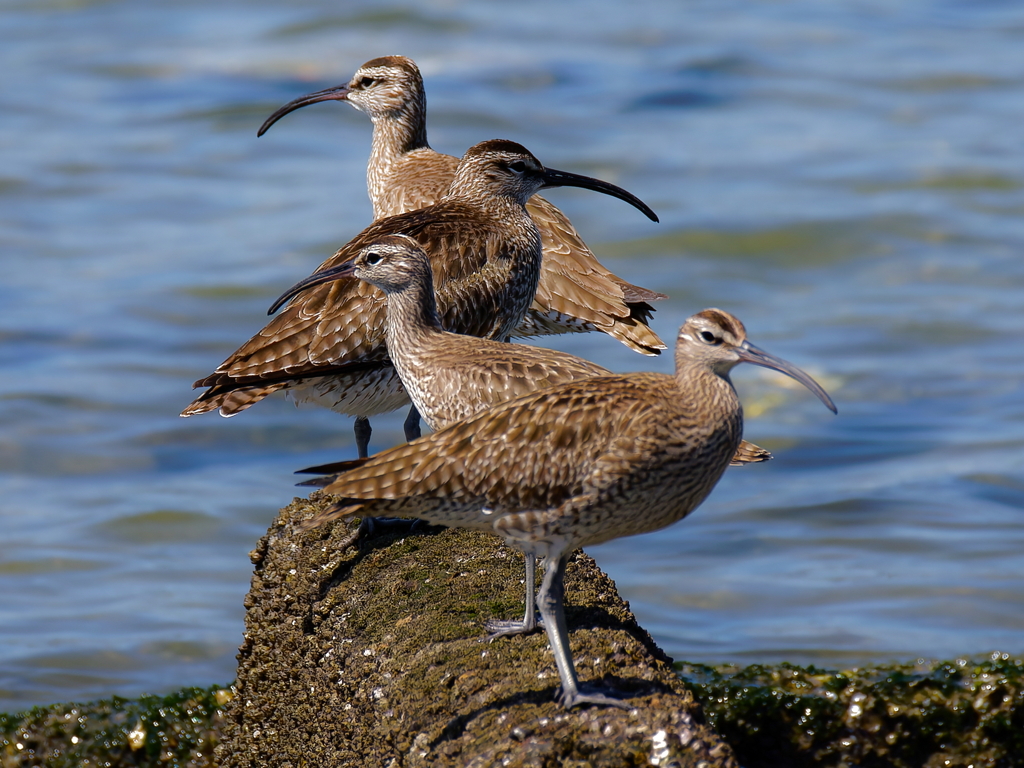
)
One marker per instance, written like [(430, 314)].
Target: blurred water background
[(847, 177)]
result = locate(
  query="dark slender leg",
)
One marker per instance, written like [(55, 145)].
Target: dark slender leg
[(363, 431), (371, 526), (499, 628), (412, 425), (552, 607)]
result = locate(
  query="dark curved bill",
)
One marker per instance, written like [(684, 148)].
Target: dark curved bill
[(337, 93), (348, 269), (751, 354), (555, 178)]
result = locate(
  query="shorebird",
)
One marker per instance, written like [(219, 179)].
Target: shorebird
[(328, 345), (449, 376), (576, 292), (575, 464)]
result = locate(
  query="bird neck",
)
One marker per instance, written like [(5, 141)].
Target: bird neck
[(473, 186), (394, 135), (711, 397), (412, 314)]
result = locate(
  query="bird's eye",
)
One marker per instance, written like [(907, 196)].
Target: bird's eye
[(373, 258), (518, 166), (709, 338), (366, 82)]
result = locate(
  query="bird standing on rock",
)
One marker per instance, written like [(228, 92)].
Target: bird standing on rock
[(450, 376), (328, 345), (576, 292), (575, 464)]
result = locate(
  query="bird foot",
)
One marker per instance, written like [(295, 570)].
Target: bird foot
[(352, 538), (499, 628), (377, 526), (570, 699)]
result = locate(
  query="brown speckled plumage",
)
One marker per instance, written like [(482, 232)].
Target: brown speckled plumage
[(328, 346), (575, 464), (450, 376), (575, 293)]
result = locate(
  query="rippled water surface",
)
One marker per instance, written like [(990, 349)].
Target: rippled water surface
[(848, 178)]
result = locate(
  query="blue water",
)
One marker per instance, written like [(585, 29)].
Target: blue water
[(848, 178)]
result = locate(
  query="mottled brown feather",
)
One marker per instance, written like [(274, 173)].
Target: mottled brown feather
[(533, 452), (575, 464), (486, 267), (576, 292), (748, 453), (581, 462), (452, 376)]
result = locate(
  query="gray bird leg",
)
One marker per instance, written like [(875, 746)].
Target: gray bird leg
[(363, 431), (498, 628), (552, 608), (412, 425), (371, 526)]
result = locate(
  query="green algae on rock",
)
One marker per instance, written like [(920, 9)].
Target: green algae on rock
[(951, 714), (181, 729), (376, 657)]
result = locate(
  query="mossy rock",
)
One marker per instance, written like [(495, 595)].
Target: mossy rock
[(953, 714), (376, 656), (181, 729)]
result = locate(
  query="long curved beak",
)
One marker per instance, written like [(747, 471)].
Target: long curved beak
[(348, 269), (749, 353), (337, 93), (555, 178)]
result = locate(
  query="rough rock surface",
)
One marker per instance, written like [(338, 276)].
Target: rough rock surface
[(375, 657)]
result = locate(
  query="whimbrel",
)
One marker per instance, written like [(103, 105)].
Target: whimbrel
[(575, 464), (576, 292), (450, 376), (328, 345)]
